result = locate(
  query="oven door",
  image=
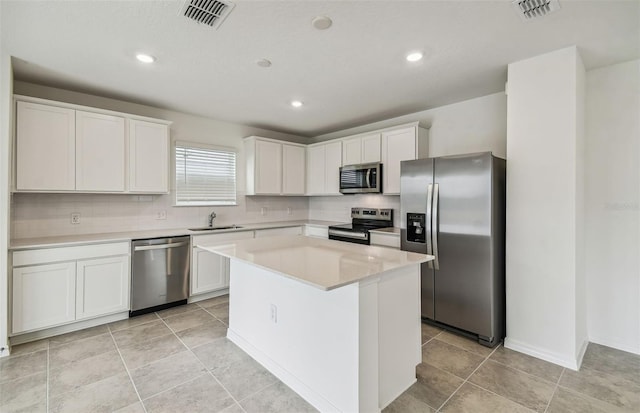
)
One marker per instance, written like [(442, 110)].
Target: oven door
[(357, 179), (349, 236)]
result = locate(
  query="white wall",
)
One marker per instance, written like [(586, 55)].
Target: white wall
[(475, 125), (612, 205), (6, 81), (35, 215), (544, 311)]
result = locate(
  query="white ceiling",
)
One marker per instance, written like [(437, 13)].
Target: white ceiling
[(352, 74)]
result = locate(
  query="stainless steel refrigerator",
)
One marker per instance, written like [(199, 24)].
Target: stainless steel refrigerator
[(453, 207)]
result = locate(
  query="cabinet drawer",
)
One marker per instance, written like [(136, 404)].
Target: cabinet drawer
[(47, 255), (316, 231), (392, 241)]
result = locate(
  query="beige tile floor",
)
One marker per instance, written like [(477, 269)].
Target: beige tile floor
[(178, 360)]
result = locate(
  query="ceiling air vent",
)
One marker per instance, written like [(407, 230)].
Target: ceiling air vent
[(534, 9), (209, 12)]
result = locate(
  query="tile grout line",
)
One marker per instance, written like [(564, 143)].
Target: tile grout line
[(555, 390), (201, 363), (465, 380), (526, 373), (127, 370)]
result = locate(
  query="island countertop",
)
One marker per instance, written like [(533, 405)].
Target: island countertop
[(321, 263)]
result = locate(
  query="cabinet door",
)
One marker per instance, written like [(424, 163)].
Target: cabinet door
[(333, 162), (397, 146), (371, 148), (352, 151), (148, 157), (43, 296), (99, 152), (315, 170), (293, 169), (102, 286), (268, 167), (45, 148), (210, 272)]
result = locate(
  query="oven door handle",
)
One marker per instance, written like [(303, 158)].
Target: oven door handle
[(347, 234)]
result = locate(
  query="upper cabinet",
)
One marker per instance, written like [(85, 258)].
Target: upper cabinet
[(362, 149), (100, 154), (323, 167), (399, 145), (274, 167), (62, 147), (148, 157), (45, 148)]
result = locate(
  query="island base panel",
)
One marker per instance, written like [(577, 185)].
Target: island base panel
[(352, 349)]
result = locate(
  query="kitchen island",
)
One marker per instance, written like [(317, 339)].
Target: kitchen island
[(337, 322)]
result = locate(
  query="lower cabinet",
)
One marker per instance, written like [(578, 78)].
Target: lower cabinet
[(43, 296), (274, 232), (209, 271), (102, 286), (58, 286)]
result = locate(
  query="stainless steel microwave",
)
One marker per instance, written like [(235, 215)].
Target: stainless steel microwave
[(359, 179)]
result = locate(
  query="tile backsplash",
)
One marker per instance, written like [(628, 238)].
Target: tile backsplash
[(338, 208), (43, 215)]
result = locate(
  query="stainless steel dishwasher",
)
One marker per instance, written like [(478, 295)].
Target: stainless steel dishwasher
[(159, 274)]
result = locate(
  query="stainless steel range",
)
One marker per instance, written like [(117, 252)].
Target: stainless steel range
[(362, 220)]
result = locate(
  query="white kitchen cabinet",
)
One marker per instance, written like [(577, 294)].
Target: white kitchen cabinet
[(400, 145), (293, 169), (43, 296), (385, 240), (56, 286), (100, 152), (362, 149), (102, 286), (323, 168), (45, 148), (318, 231), (148, 157), (209, 271), (62, 147), (274, 167)]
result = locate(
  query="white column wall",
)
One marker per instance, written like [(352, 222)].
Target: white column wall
[(543, 142), (612, 202)]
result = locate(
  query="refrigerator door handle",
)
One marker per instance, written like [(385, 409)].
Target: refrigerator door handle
[(435, 228), (428, 222)]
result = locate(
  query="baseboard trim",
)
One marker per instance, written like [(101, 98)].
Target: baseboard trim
[(206, 296), (614, 343), (311, 396), (544, 354)]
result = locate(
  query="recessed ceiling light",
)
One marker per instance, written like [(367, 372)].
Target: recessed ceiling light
[(321, 22), (414, 56), (263, 63), (296, 103), (145, 58)]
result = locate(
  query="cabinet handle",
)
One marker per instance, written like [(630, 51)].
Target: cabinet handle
[(160, 247)]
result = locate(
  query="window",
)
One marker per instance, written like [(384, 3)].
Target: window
[(205, 175)]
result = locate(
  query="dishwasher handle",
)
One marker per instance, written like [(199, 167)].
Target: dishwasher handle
[(160, 247)]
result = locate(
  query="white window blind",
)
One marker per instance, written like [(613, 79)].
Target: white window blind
[(205, 176)]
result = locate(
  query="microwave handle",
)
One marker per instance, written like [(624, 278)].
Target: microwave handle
[(368, 178)]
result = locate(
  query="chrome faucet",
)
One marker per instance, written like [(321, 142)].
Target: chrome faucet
[(212, 216)]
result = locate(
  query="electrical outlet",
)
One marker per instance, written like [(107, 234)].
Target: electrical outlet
[(75, 218), (274, 313), (289, 210), (161, 214), (263, 211)]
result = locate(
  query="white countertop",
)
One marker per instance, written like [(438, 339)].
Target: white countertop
[(321, 263), (70, 240)]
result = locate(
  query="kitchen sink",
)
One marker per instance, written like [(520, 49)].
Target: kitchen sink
[(215, 228)]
